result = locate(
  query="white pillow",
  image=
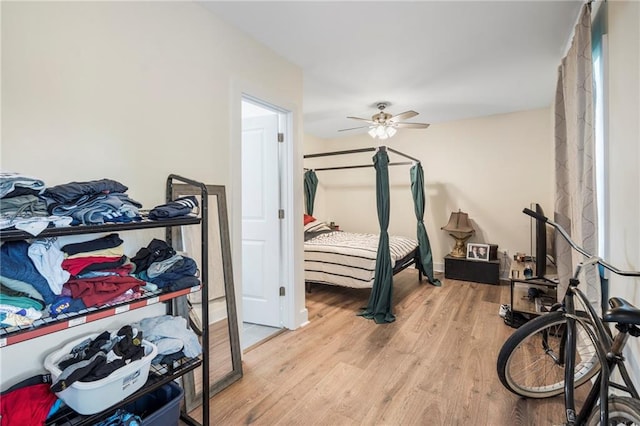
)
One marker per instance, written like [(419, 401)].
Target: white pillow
[(316, 226)]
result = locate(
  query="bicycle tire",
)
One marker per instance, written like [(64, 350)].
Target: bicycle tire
[(527, 368), (622, 410)]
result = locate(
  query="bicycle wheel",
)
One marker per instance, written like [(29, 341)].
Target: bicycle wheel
[(623, 410), (531, 361)]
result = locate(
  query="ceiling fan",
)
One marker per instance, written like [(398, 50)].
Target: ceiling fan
[(383, 125)]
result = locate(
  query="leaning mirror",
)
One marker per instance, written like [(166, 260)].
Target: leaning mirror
[(224, 350)]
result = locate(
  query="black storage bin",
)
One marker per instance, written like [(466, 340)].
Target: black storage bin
[(160, 407)]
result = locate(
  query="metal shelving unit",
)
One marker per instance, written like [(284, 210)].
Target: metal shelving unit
[(159, 375)]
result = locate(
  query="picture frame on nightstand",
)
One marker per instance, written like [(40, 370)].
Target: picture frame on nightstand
[(477, 251)]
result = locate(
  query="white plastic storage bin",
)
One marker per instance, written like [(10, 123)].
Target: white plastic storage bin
[(93, 397)]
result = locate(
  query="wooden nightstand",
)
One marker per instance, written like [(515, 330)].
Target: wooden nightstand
[(459, 268)]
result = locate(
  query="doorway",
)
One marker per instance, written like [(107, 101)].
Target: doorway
[(261, 221)]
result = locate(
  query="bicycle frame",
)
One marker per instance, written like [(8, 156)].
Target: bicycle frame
[(609, 353), (609, 350), (600, 387)]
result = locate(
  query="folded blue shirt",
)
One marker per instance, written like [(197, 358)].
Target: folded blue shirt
[(17, 265)]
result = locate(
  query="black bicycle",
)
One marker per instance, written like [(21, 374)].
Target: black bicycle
[(561, 350)]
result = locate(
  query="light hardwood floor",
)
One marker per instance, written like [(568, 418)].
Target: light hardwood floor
[(435, 365)]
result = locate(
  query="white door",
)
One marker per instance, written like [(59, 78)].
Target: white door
[(260, 222)]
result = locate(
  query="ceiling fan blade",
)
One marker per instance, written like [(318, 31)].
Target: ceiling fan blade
[(403, 116), (353, 128), (411, 125), (361, 119)]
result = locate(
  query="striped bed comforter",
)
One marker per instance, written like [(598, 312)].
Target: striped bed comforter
[(349, 259)]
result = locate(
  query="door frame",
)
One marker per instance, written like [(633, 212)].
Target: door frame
[(276, 118), (294, 313)]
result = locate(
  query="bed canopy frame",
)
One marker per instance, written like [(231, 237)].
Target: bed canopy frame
[(379, 305)]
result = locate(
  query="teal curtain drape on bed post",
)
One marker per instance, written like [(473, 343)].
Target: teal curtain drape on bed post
[(379, 305), (417, 190), (310, 185)]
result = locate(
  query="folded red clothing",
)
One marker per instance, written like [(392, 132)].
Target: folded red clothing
[(98, 291), (27, 406), (82, 264)]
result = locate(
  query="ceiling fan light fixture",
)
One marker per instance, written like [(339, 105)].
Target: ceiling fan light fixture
[(382, 131), (384, 125), (391, 131)]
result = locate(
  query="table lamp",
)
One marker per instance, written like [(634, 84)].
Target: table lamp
[(461, 230)]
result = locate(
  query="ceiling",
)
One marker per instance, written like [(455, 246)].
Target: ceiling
[(447, 60)]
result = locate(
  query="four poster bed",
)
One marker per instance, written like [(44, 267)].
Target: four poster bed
[(349, 259), (367, 260)]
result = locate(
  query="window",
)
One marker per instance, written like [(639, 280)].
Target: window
[(600, 108), (599, 57)]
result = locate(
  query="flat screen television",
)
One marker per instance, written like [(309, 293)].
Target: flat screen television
[(541, 245)]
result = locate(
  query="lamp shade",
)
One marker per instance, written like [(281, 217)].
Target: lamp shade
[(459, 222)]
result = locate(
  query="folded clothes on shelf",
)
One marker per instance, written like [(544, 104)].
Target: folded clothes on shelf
[(17, 265), (158, 329), (29, 402), (156, 251), (14, 184), (178, 207)]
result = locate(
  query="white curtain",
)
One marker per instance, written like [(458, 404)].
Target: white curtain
[(575, 204)]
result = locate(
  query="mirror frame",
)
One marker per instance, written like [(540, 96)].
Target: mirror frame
[(192, 398)]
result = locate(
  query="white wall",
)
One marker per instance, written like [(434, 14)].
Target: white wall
[(489, 167), (624, 151), (132, 91)]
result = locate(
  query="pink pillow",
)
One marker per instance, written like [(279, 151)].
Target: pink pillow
[(308, 218)]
